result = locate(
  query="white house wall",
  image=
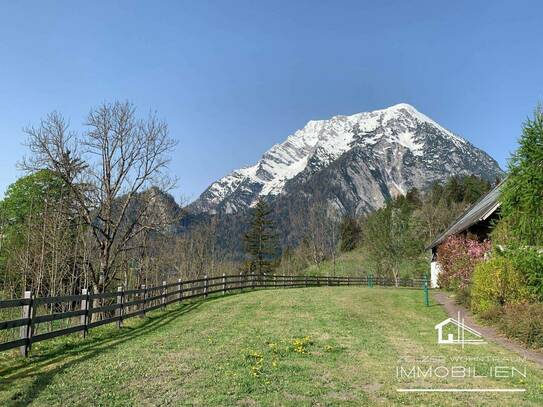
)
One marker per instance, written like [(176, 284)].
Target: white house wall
[(435, 269)]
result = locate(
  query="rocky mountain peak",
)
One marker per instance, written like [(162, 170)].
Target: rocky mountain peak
[(396, 148)]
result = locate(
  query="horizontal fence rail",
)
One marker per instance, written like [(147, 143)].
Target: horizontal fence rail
[(69, 314)]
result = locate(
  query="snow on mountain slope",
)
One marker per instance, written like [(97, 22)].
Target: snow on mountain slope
[(400, 129)]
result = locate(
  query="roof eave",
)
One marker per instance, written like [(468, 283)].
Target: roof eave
[(484, 216)]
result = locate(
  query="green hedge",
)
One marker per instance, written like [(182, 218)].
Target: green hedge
[(529, 262), (497, 282), (523, 322)]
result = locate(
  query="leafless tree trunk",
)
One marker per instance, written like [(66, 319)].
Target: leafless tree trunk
[(106, 169)]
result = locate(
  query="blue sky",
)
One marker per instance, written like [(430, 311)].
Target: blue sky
[(232, 78)]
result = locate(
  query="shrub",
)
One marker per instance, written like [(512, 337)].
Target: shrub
[(493, 314), (463, 296), (529, 261), (496, 282), (457, 257), (524, 322)]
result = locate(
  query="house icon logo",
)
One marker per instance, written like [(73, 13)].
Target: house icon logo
[(455, 332)]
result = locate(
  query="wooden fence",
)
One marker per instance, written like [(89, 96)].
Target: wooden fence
[(122, 304)]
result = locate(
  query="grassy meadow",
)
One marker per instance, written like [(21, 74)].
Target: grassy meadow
[(357, 263), (294, 347)]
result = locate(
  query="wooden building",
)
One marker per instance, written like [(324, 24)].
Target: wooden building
[(475, 222)]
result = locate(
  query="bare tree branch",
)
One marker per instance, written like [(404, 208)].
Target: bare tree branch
[(107, 168)]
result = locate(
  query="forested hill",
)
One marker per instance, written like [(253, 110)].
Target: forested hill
[(313, 226)]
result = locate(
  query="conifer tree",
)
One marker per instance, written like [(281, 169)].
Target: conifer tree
[(261, 240), (350, 234), (522, 194)]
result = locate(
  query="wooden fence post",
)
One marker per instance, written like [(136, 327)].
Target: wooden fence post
[(305, 281), (205, 285), (119, 312), (240, 281), (26, 330), (144, 288), (253, 280), (179, 289), (223, 283), (164, 294), (85, 308), (274, 281)]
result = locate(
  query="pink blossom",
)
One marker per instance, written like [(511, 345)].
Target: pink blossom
[(457, 257)]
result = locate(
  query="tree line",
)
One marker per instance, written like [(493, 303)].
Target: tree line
[(93, 211), (392, 240)]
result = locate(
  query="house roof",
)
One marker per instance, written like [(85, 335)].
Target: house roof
[(480, 210)]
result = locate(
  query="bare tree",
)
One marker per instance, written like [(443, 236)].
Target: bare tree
[(317, 231), (332, 221), (107, 168)]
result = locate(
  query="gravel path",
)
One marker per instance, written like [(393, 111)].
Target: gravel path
[(489, 333)]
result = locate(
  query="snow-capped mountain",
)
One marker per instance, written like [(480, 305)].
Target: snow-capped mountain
[(356, 162)]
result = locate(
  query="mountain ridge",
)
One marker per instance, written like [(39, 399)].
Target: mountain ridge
[(387, 152)]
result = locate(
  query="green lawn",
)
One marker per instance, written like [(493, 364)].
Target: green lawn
[(357, 263), (347, 264), (312, 346)]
